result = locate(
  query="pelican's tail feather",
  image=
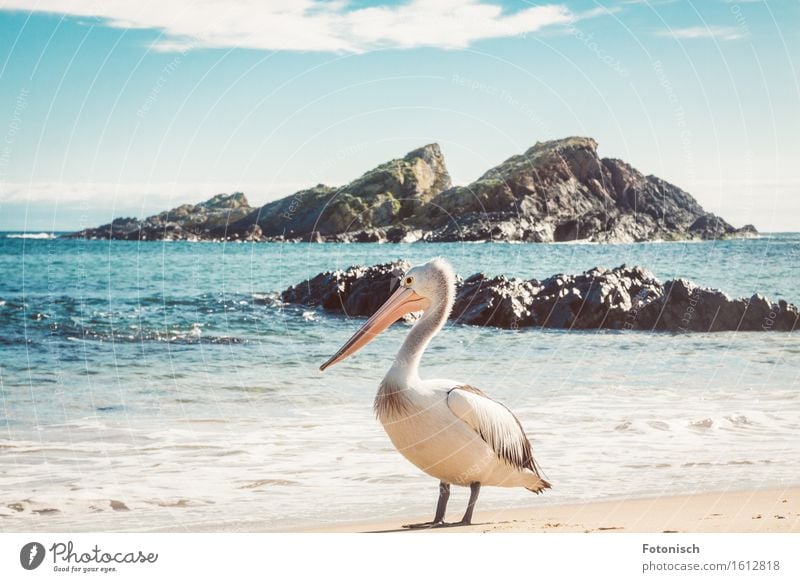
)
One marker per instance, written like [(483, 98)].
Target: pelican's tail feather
[(540, 486)]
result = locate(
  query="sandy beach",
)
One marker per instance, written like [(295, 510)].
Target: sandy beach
[(755, 511)]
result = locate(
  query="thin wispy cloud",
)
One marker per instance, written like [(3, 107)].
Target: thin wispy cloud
[(651, 2), (311, 25), (161, 195), (715, 32)]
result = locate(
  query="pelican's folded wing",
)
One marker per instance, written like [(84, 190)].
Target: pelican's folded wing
[(495, 423)]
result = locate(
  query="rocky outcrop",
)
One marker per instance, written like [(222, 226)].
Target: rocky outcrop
[(623, 298), (499, 302), (683, 306), (208, 220), (363, 210), (600, 298), (563, 191), (353, 291), (556, 191)]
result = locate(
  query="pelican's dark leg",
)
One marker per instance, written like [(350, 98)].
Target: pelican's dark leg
[(441, 506), (474, 490)]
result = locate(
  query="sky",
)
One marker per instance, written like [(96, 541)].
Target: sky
[(128, 108)]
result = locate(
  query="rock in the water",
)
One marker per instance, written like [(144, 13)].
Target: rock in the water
[(354, 291), (384, 197), (253, 233), (686, 307), (562, 190), (499, 302), (623, 298), (599, 298), (208, 220)]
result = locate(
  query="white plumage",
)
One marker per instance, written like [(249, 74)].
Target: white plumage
[(450, 430)]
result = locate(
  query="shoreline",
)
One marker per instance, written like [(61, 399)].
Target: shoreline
[(774, 510), (767, 510)]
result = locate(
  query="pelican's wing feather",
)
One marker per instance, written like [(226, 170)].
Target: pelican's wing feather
[(495, 423)]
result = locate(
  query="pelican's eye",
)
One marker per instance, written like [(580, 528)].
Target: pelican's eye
[(408, 281)]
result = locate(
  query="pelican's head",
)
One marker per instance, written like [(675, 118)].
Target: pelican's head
[(423, 286), (435, 280)]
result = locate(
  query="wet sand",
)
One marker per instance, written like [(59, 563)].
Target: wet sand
[(761, 510)]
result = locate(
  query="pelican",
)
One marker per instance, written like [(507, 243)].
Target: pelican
[(448, 429)]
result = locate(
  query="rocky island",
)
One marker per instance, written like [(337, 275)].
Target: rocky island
[(556, 191), (622, 298), (205, 221)]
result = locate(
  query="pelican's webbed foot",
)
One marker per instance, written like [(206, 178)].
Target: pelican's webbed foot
[(434, 524), (441, 506), (425, 525)]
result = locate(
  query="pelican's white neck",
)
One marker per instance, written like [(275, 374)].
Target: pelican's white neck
[(406, 364)]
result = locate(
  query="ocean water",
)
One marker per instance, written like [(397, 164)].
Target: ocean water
[(162, 385)]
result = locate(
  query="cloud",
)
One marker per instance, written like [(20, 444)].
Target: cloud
[(715, 32), (54, 206), (131, 196), (310, 25)]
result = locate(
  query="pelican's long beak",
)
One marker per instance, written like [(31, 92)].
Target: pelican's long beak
[(402, 301)]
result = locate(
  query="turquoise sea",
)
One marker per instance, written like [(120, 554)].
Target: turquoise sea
[(163, 385)]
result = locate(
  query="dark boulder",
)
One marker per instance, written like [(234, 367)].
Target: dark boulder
[(623, 298), (253, 234), (354, 291), (499, 302), (599, 298), (686, 307)]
